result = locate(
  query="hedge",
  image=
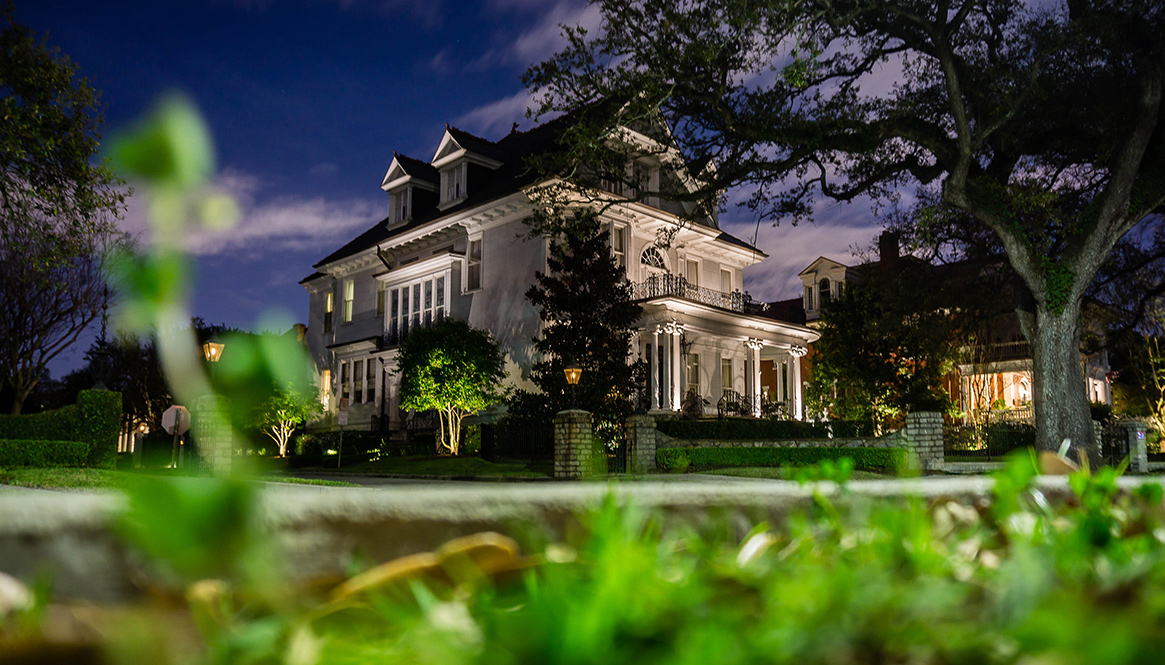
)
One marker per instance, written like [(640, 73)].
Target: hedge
[(26, 452), (867, 459), (94, 421), (359, 446), (736, 429)]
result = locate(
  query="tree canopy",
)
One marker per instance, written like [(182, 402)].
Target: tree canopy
[(1040, 121), (57, 208), (453, 368)]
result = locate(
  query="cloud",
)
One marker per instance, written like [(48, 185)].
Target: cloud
[(267, 225), (544, 38), (496, 118), (838, 230)]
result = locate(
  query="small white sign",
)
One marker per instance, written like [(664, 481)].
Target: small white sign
[(342, 416)]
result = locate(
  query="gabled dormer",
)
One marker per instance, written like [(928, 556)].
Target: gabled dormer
[(411, 185), (464, 162), (821, 282)]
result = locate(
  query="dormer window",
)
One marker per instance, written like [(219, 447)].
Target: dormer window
[(823, 290), (453, 183), (402, 205)]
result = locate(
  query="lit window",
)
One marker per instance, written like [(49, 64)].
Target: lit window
[(652, 258), (329, 305), (726, 374), (325, 387), (726, 280), (400, 205), (809, 299), (454, 183), (693, 371), (349, 297), (473, 269), (379, 297)]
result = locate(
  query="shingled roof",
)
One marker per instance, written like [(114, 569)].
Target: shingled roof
[(512, 151)]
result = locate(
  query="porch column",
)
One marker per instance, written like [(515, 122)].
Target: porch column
[(675, 359), (665, 397), (795, 354), (655, 369), (754, 346)]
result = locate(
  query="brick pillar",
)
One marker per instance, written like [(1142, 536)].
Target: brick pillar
[(572, 443), (1139, 454), (924, 436), (640, 444), (212, 430)]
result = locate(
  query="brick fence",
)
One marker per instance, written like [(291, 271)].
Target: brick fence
[(572, 444)]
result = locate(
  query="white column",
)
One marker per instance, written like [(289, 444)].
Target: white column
[(665, 357), (756, 388), (675, 359), (795, 354), (655, 369)]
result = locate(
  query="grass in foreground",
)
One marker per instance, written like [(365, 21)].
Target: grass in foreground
[(445, 466), (93, 479)]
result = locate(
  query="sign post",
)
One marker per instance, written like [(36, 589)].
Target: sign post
[(342, 420), (176, 421)]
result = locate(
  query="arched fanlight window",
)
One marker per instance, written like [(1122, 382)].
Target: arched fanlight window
[(651, 257), (823, 292)]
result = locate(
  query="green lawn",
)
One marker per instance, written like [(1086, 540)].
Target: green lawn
[(780, 473), (449, 466), (87, 479)]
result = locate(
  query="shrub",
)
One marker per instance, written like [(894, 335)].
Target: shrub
[(94, 420), (24, 452), (867, 459), (1101, 412), (736, 429), (674, 460)]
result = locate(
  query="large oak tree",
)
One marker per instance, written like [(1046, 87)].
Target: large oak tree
[(1041, 121)]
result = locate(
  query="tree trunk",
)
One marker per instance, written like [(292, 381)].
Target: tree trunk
[(1058, 395)]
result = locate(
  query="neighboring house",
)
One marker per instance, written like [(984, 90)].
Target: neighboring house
[(455, 244), (994, 379)]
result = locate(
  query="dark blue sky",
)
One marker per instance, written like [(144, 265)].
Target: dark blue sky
[(307, 99)]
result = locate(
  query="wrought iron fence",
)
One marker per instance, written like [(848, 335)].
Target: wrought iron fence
[(985, 443), (524, 441), (677, 286)]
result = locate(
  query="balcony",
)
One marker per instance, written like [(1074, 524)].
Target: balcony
[(676, 286), (999, 351)]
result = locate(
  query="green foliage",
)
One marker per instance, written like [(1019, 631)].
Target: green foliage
[(42, 453), (289, 407), (1102, 412), (195, 529), (94, 421), (584, 302), (837, 471), (738, 429), (886, 344), (673, 460), (451, 367), (98, 421), (890, 460)]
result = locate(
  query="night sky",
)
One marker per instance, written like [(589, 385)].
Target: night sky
[(307, 99)]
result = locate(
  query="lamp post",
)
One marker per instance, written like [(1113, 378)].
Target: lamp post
[(573, 374), (214, 425)]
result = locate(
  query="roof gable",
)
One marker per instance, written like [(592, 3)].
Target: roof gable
[(456, 144), (821, 264), (406, 170)]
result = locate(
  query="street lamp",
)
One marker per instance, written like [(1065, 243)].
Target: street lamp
[(573, 374), (212, 349)]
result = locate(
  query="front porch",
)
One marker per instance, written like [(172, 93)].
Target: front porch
[(701, 347)]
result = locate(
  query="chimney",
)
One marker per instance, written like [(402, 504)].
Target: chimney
[(888, 250)]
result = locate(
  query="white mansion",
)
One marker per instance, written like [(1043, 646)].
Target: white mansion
[(455, 244)]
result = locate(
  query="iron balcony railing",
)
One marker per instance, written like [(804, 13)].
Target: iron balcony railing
[(677, 286)]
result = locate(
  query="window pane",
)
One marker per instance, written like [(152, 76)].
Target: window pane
[(370, 379), (440, 292), (428, 295), (380, 297), (416, 298)]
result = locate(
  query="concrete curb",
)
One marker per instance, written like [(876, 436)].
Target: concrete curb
[(70, 537)]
